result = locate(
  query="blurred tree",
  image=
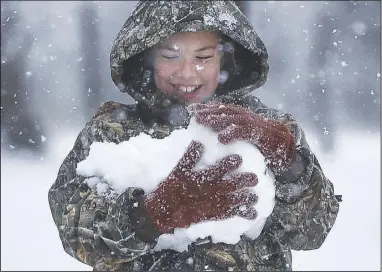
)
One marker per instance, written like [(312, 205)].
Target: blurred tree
[(90, 53), (20, 125), (362, 97), (319, 106), (344, 66)]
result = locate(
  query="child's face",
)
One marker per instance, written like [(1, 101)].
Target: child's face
[(187, 65)]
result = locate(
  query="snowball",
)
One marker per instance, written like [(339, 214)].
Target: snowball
[(144, 162)]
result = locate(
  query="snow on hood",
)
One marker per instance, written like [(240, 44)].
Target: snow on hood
[(152, 22)]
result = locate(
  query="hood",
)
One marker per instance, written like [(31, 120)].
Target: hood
[(152, 22)]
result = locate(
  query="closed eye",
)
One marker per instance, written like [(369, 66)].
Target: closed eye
[(204, 58), (169, 57)]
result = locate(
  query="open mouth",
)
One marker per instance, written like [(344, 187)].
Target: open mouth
[(187, 89)]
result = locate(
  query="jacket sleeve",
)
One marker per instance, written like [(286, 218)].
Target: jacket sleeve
[(102, 230), (306, 207)]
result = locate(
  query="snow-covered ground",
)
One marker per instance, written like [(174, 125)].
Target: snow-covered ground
[(29, 239)]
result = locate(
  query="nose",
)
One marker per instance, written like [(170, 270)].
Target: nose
[(187, 69)]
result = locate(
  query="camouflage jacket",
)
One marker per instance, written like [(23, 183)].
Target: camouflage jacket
[(108, 232)]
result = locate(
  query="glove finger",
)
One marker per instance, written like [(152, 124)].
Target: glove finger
[(219, 207), (228, 205), (234, 133), (249, 213), (222, 110), (242, 180), (244, 202), (244, 198), (237, 119), (220, 169), (191, 157), (236, 182), (215, 122)]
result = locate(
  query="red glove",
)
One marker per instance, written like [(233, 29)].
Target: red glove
[(272, 138), (188, 196)]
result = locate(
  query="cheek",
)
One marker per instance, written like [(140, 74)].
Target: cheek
[(162, 75), (211, 75)]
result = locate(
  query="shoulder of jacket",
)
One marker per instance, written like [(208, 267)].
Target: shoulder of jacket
[(113, 121), (111, 111), (255, 104)]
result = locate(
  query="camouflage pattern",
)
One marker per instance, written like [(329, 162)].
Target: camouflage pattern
[(111, 232), (153, 21)]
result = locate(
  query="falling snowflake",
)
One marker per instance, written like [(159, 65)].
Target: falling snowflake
[(198, 67), (359, 27), (223, 76)]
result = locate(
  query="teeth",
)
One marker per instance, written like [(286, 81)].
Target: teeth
[(187, 89)]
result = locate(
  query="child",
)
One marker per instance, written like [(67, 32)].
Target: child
[(204, 56)]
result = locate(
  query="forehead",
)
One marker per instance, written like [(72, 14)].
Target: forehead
[(193, 38)]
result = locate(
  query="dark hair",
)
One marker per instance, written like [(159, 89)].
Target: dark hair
[(228, 63)]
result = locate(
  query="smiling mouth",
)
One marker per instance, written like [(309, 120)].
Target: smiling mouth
[(187, 89)]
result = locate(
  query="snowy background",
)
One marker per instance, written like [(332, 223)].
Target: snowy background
[(324, 69)]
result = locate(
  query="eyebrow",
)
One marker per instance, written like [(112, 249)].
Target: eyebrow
[(168, 48), (206, 48), (197, 50)]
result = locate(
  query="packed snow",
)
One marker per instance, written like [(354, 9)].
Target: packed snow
[(144, 162)]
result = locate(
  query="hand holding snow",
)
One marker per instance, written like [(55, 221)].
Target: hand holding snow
[(188, 196), (144, 162)]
